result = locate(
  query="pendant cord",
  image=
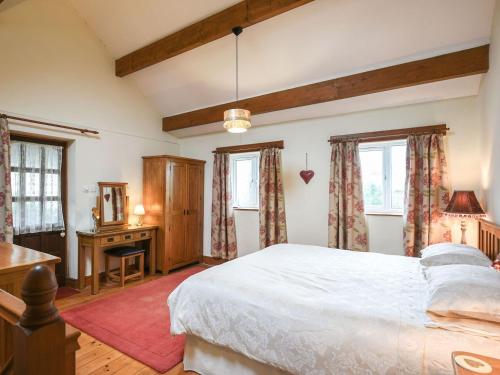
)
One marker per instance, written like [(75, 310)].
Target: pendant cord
[(237, 87)]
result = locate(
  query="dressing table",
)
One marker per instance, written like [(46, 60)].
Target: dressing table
[(112, 229)]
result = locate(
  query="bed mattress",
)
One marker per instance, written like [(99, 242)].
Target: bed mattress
[(313, 310)]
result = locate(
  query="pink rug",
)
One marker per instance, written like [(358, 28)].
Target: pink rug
[(136, 321)]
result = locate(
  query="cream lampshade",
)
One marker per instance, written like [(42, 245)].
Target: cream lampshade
[(139, 212)]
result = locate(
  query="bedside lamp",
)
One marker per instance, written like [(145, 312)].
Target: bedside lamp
[(139, 212), (464, 204)]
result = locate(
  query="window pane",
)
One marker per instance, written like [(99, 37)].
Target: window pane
[(32, 184), (51, 185), (33, 154), (32, 217), (398, 176), (15, 154), (15, 214), (51, 212), (372, 167), (52, 157), (244, 182), (15, 183)]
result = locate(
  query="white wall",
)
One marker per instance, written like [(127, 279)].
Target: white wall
[(53, 67), (307, 205), (489, 98)]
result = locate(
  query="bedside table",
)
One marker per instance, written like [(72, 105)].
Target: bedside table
[(493, 362)]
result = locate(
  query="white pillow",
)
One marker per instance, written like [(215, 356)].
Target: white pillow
[(462, 290), (441, 254)]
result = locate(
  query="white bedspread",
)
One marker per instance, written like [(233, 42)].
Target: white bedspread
[(313, 310)]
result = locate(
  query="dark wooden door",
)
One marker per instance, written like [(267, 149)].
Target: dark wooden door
[(194, 209), (47, 242), (177, 208), (53, 242)]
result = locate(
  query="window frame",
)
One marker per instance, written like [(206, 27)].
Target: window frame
[(34, 138), (386, 148), (234, 158)]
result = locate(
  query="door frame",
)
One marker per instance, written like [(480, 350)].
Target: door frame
[(47, 140)]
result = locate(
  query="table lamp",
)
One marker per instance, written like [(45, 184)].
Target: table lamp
[(139, 212), (464, 204)]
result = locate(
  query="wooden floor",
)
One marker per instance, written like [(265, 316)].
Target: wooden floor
[(95, 357)]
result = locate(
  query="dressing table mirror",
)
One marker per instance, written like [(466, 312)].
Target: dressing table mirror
[(112, 206)]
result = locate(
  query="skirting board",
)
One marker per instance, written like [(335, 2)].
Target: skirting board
[(73, 283), (211, 261)]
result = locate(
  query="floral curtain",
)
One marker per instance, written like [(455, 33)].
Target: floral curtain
[(6, 230), (223, 226), (346, 217), (426, 193), (272, 219), (36, 187)]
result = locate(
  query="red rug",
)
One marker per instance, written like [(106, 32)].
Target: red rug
[(136, 321)]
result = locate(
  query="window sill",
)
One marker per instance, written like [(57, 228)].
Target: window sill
[(375, 213), (245, 209)]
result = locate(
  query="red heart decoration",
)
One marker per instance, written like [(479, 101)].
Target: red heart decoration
[(307, 175)]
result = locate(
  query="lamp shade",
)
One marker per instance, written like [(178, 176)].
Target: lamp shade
[(237, 120), (139, 210), (464, 204)]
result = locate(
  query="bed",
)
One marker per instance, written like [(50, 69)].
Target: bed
[(311, 310)]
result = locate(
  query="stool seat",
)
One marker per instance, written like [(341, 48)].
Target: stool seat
[(124, 251)]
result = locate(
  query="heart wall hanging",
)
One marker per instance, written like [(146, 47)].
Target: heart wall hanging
[(307, 174)]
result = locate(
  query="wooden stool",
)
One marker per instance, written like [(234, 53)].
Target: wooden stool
[(124, 253)]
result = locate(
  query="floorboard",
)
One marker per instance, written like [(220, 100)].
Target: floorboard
[(97, 358)]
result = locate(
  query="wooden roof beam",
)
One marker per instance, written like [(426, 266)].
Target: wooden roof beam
[(452, 65), (245, 13)]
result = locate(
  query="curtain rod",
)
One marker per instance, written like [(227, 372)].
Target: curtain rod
[(392, 134), (83, 131), (249, 147)]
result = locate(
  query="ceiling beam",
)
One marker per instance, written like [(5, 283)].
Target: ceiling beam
[(452, 65), (245, 13)]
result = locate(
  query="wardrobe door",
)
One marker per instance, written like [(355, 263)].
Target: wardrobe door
[(194, 211), (176, 179)]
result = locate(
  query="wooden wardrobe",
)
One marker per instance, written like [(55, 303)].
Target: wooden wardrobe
[(173, 200)]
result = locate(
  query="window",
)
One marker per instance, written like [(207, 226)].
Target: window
[(245, 180), (383, 166), (36, 187)]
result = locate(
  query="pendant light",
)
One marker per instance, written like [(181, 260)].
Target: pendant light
[(237, 120)]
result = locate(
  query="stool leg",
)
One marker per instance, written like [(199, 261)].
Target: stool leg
[(126, 265), (106, 267), (122, 271), (141, 265)]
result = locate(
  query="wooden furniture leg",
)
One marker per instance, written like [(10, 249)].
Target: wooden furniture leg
[(95, 269), (152, 253), (81, 265), (141, 265), (122, 271), (106, 266)]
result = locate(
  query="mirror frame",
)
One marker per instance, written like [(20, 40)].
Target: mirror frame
[(100, 203)]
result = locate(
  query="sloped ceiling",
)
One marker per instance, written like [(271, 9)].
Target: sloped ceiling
[(318, 41)]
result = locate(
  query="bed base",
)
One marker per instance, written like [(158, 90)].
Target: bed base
[(205, 358)]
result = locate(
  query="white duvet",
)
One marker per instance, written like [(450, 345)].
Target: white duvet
[(313, 310)]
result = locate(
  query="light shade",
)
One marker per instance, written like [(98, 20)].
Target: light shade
[(464, 204), (237, 120), (139, 210)]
